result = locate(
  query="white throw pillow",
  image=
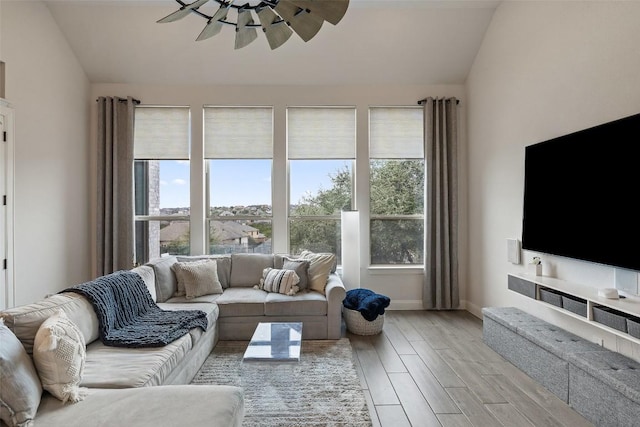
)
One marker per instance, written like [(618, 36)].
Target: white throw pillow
[(59, 354), (197, 278), (321, 265), (279, 281), (20, 388)]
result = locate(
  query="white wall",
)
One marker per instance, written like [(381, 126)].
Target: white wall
[(50, 94), (403, 286), (544, 69)]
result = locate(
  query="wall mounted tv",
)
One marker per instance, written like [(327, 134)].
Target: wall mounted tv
[(581, 193)]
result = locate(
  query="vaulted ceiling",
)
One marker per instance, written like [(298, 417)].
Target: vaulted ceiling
[(377, 42)]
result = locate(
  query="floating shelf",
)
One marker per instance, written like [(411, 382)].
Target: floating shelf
[(571, 298)]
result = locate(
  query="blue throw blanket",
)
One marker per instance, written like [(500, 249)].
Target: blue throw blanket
[(128, 316), (367, 302)]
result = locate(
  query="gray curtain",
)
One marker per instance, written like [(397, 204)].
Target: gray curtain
[(440, 289), (115, 233)]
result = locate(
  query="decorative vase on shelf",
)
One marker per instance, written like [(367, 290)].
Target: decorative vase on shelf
[(538, 269)]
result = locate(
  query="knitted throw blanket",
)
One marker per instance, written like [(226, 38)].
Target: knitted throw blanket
[(128, 316)]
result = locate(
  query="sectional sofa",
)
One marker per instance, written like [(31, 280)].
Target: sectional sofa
[(149, 386)]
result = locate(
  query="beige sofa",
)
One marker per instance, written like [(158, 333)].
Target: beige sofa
[(242, 307), (120, 379)]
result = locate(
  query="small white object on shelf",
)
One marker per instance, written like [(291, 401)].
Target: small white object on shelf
[(537, 265), (610, 293)]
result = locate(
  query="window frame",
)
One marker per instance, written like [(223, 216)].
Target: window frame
[(209, 218), (336, 216), (141, 168), (393, 217)]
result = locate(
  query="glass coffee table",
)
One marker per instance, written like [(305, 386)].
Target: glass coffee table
[(275, 341)]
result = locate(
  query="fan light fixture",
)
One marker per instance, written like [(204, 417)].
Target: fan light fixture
[(278, 18)]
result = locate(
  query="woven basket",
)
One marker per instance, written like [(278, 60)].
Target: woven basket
[(356, 324)]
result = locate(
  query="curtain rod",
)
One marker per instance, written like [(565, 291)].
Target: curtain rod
[(422, 101), (135, 101)]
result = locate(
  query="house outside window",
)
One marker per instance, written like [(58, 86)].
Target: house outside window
[(161, 181), (321, 156), (396, 185), (238, 152)]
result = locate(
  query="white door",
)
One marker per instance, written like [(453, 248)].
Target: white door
[(7, 294), (3, 215)]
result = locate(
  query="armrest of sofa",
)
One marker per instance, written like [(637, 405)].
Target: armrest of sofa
[(335, 293)]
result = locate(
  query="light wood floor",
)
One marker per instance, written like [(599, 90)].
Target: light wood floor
[(431, 368)]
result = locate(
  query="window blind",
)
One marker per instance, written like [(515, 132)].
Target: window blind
[(161, 133), (396, 133), (321, 132), (238, 132)]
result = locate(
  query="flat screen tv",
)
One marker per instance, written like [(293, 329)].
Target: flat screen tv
[(581, 195)]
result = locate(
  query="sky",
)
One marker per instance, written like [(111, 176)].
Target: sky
[(244, 182)]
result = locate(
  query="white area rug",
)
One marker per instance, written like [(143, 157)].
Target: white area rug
[(322, 389)]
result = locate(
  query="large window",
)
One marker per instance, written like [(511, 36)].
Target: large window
[(239, 151), (396, 151), (321, 152), (161, 176), (236, 196)]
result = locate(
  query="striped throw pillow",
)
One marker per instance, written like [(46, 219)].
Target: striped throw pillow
[(279, 281)]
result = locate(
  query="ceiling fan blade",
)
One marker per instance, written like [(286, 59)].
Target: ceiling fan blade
[(244, 33), (331, 11), (182, 12), (214, 25), (276, 30), (305, 24)]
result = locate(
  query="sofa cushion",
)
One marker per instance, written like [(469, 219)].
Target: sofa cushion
[(120, 367), (211, 310), (197, 278), (147, 274), (321, 265), (20, 388), (59, 355), (279, 281), (25, 320), (166, 282), (242, 302), (223, 261), (302, 304), (183, 299), (246, 269), (279, 259), (174, 405)]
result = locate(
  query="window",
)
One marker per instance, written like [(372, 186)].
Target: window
[(321, 152), (239, 151), (396, 189), (161, 179)]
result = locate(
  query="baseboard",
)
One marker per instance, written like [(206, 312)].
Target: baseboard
[(473, 309), (417, 305), (406, 305)]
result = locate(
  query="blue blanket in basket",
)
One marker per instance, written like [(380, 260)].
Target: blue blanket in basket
[(368, 303)]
